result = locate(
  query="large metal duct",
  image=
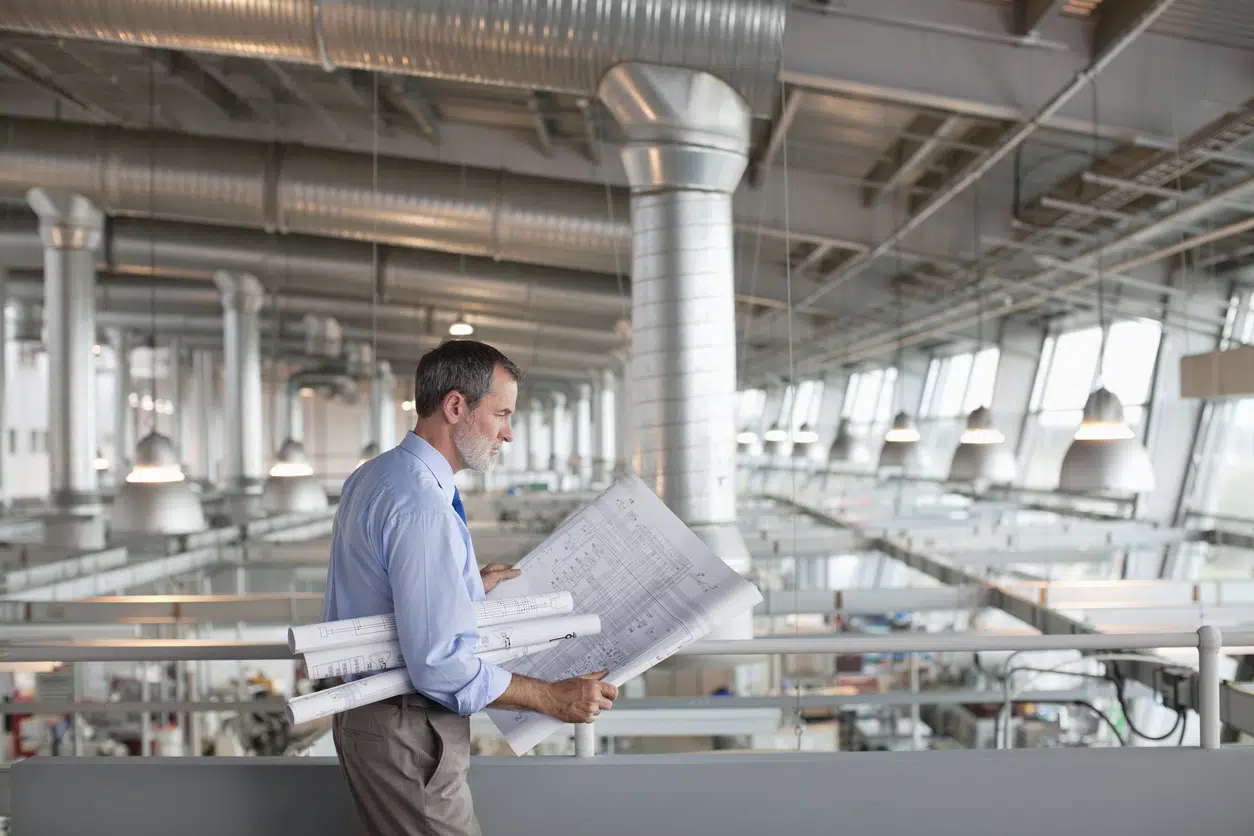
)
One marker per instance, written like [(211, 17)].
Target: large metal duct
[(687, 147), (242, 298), (304, 264), (410, 203), (560, 45), (70, 227)]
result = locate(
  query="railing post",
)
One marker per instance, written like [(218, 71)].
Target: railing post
[(1209, 642), (585, 740)]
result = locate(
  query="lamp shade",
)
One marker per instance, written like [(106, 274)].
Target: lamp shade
[(901, 445), (368, 452), (292, 487), (1105, 457), (773, 437), (982, 456), (802, 440), (745, 439), (155, 498), (846, 447)]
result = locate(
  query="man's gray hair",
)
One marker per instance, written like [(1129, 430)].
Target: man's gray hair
[(463, 366)]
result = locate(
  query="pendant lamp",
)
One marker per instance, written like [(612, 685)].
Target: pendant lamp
[(901, 445), (745, 440), (982, 456), (846, 447), (774, 437), (802, 440), (156, 498), (292, 487), (1105, 456)]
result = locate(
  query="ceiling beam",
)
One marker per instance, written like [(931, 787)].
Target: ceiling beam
[(283, 78), (20, 63), (543, 109), (196, 79), (1031, 15), (908, 156), (406, 97), (591, 129), (779, 134), (954, 55)]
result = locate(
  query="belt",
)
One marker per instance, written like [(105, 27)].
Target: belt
[(414, 701)]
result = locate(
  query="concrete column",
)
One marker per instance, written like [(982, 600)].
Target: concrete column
[(604, 440), (559, 453), (1019, 353), (4, 374), (582, 420), (242, 299), (291, 413), (383, 406), (123, 425), (206, 385)]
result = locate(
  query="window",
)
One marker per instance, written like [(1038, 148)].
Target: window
[(1072, 367), (749, 406), (1129, 359), (806, 405), (983, 379), (953, 386)]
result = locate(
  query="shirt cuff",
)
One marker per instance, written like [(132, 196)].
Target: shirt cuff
[(483, 690)]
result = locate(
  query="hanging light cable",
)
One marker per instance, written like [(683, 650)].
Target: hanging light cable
[(1105, 456), (155, 497), (981, 456), (900, 451)]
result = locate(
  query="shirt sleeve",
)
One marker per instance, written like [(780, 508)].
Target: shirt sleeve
[(425, 559)]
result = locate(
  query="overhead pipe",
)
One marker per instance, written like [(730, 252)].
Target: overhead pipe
[(113, 290), (490, 213), (564, 46), (306, 264)]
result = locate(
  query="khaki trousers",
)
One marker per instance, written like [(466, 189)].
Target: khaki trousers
[(406, 767)]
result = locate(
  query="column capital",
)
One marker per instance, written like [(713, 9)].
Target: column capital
[(67, 221), (557, 399), (242, 291)]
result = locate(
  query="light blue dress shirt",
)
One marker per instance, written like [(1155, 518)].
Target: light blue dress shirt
[(398, 546)]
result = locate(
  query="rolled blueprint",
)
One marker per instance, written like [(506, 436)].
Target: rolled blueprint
[(348, 661), (381, 686), (537, 631), (382, 628)]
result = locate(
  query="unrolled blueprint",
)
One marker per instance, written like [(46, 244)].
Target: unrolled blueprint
[(655, 585), (382, 686), (382, 628)]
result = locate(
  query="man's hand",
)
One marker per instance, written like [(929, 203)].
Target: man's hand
[(582, 698), (576, 700), (494, 573)]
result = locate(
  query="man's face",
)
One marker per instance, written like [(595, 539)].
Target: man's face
[(479, 434)]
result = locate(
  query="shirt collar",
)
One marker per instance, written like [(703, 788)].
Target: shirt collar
[(433, 459)]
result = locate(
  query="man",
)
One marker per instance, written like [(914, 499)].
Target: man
[(400, 544)]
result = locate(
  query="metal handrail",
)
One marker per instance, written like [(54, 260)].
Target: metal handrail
[(1207, 639)]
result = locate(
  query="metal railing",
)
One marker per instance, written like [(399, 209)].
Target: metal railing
[(1207, 640)]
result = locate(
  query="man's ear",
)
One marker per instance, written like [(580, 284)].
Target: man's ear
[(454, 406)]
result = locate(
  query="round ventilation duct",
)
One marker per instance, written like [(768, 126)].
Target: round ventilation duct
[(1105, 456), (292, 487), (155, 498), (901, 445), (982, 457)]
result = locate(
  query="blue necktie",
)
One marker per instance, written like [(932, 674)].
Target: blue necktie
[(457, 504)]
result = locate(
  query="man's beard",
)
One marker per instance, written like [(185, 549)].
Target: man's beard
[(477, 451)]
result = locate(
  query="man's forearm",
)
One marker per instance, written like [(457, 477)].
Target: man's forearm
[(527, 694)]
